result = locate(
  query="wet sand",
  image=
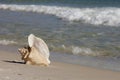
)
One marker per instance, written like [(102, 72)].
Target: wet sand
[(12, 68)]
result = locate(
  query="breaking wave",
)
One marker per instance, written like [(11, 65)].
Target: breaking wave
[(77, 50), (109, 16)]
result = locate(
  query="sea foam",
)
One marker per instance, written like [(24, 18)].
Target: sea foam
[(7, 42), (109, 16)]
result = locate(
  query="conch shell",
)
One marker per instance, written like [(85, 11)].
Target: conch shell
[(36, 53)]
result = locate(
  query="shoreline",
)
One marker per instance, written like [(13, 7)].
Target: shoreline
[(11, 68)]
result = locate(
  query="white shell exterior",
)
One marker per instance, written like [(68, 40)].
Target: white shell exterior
[(39, 50)]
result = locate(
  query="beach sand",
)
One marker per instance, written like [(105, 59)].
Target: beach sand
[(12, 68)]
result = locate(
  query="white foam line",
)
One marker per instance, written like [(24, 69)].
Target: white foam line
[(7, 42)]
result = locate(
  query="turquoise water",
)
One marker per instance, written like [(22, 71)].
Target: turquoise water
[(67, 2), (86, 30), (60, 35)]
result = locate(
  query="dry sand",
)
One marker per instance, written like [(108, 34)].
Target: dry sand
[(11, 68)]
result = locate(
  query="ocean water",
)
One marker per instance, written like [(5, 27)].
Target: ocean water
[(89, 28)]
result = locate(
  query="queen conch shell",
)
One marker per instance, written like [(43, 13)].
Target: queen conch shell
[(36, 53)]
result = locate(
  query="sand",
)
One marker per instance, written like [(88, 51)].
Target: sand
[(12, 68)]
